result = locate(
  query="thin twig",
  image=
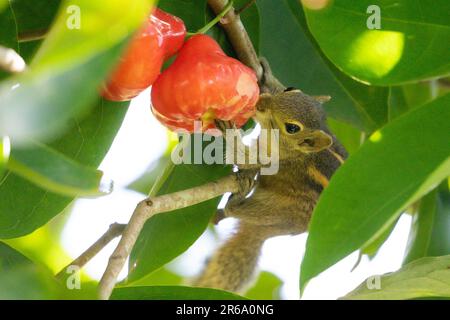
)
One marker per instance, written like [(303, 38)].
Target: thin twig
[(444, 82), (238, 37), (115, 230), (32, 35), (147, 209), (245, 6), (218, 18), (11, 61)]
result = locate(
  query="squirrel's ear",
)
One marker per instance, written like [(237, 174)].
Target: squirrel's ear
[(322, 99), (315, 141), (264, 102)]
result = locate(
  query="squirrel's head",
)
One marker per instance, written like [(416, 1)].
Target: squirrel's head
[(300, 119)]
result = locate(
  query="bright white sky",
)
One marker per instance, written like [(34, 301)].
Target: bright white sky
[(142, 140)]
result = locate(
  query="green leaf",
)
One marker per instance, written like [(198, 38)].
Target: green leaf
[(192, 12), (394, 168), (251, 19), (350, 137), (8, 28), (144, 183), (10, 258), (29, 49), (25, 206), (4, 155), (409, 96), (160, 277), (411, 44), (64, 76), (172, 293), (3, 4), (397, 102), (429, 235), (421, 228), (266, 288), (165, 236), (55, 172), (21, 279), (8, 32), (44, 245), (426, 277), (372, 247), (298, 62), (34, 16)]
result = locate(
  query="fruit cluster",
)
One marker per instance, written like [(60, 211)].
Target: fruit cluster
[(202, 84)]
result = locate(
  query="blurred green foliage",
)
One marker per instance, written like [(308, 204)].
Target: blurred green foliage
[(425, 277), (411, 43)]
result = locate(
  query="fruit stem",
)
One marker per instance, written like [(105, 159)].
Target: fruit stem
[(217, 19)]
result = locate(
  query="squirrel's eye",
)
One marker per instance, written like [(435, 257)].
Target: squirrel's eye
[(291, 128)]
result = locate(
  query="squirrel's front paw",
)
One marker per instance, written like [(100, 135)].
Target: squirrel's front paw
[(246, 182)]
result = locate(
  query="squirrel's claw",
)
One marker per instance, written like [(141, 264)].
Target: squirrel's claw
[(246, 181)]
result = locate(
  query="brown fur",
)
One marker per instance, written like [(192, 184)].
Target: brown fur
[(281, 204)]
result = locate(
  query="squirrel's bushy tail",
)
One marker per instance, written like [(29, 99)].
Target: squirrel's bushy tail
[(233, 265)]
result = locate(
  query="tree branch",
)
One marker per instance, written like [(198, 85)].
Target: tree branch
[(238, 36), (147, 209), (243, 46), (115, 230), (32, 35)]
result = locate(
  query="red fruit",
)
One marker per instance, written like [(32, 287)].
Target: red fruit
[(172, 29), (138, 68), (204, 84), (161, 36)]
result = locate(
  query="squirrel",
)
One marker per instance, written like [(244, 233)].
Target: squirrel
[(280, 204)]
